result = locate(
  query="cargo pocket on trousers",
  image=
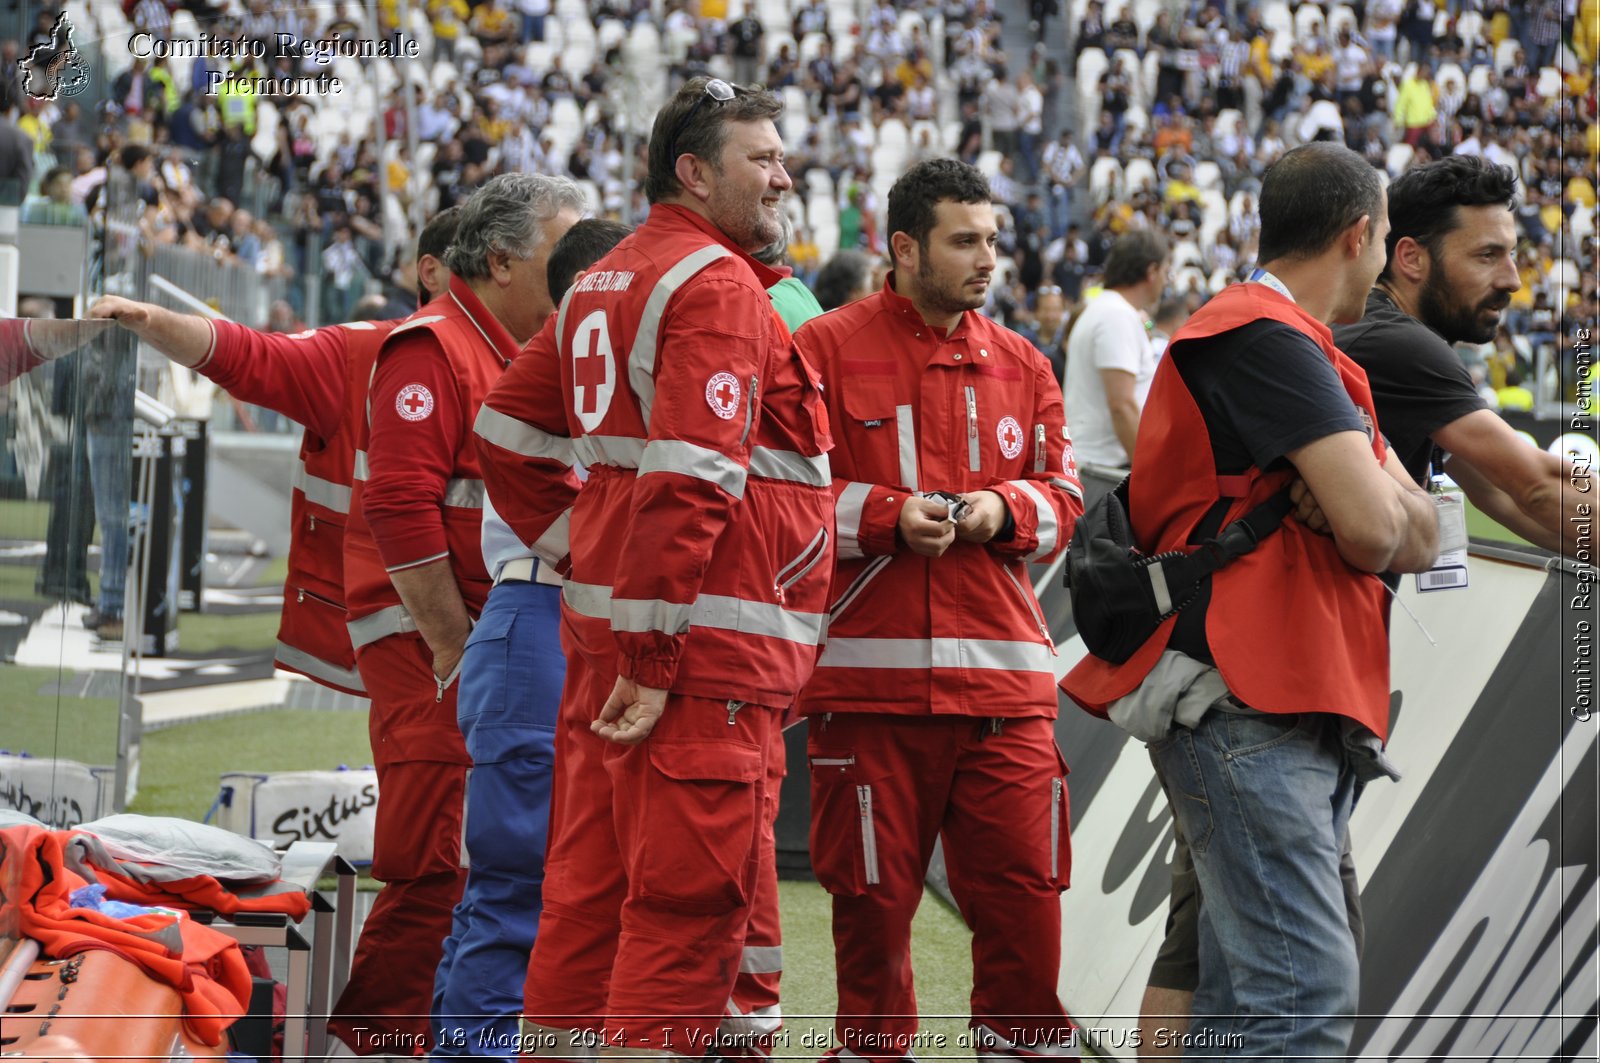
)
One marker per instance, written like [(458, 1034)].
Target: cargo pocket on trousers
[(699, 838), (844, 825), (1060, 827)]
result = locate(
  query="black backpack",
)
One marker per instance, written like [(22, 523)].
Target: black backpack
[(1120, 595)]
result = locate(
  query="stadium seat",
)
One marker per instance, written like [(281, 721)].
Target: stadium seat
[(1187, 253), (265, 142), (1582, 222), (610, 34), (1399, 158), (1139, 173), (822, 215), (1308, 22), (1136, 120), (1478, 80), (819, 182), (1228, 121), (1549, 85), (1275, 16), (1342, 15), (1448, 72), (1505, 53), (1282, 49), (1469, 26), (1105, 179), (989, 162), (1564, 273), (1207, 174), (893, 134)]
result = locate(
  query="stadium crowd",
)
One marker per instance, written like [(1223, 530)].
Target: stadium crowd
[(1123, 116)]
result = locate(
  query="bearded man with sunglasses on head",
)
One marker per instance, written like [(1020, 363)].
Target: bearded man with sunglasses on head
[(697, 557)]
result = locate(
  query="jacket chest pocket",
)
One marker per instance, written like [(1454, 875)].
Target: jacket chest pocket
[(880, 431)]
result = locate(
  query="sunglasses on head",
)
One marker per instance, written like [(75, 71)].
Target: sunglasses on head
[(716, 89)]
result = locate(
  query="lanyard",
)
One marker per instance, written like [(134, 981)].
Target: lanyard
[(1261, 276)]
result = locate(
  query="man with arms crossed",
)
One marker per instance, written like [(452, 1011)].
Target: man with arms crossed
[(1450, 273), (1253, 396)]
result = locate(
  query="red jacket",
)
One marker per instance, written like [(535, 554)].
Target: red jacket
[(980, 409), (1292, 626), (418, 495), (319, 379), (702, 538)]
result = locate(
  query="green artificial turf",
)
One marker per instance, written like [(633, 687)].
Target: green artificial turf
[(51, 724), (219, 633)]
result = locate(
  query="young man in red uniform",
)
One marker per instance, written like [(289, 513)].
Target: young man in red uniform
[(318, 379), (1266, 699), (415, 578), (699, 566), (931, 709)]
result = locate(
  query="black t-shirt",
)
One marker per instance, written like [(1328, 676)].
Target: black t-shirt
[(1264, 389), (1419, 383)]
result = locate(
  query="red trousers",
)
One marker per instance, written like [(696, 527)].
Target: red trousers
[(422, 771), (658, 852), (883, 789)]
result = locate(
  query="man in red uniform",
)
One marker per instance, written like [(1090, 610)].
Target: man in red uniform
[(319, 380), (699, 552), (931, 709), (415, 578), (1265, 699)]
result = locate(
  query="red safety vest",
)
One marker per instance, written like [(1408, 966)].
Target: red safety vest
[(1292, 626), (312, 639), (374, 605)]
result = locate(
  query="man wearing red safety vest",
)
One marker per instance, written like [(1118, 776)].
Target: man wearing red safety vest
[(700, 550), (318, 379), (1265, 699), (931, 710)]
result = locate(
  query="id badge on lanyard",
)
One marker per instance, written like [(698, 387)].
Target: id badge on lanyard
[(1450, 570)]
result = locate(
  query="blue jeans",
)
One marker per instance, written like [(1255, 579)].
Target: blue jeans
[(111, 474), (1060, 210), (1265, 801), (507, 706)]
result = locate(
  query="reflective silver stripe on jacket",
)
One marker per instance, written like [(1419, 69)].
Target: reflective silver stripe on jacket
[(519, 437), (393, 620), (906, 429), (847, 518), (642, 357), (463, 494), (757, 1022), (315, 667), (761, 959), (622, 452), (688, 459), (790, 466), (1002, 655), (553, 546), (721, 612), (1068, 486), (1049, 527), (324, 493)]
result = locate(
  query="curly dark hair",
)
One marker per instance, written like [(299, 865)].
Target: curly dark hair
[(1423, 200), (704, 136), (1311, 195), (914, 197)]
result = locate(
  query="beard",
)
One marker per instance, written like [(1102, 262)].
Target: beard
[(748, 223), (1440, 310), (946, 298)]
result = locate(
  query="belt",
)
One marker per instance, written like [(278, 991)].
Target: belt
[(522, 570), (518, 569)]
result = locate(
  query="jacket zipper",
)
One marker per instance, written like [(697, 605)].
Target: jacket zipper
[(1038, 448), (301, 594), (733, 710), (1033, 609), (832, 762), (973, 462), (815, 550), (858, 585), (1055, 827), (869, 833), (749, 413), (312, 517)]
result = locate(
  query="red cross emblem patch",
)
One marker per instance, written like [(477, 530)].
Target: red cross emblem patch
[(414, 402), (1010, 433), (722, 395)]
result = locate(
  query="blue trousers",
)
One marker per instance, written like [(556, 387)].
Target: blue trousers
[(1265, 802), (507, 706)]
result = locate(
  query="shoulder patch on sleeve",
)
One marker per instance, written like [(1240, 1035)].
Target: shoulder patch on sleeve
[(414, 322)]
